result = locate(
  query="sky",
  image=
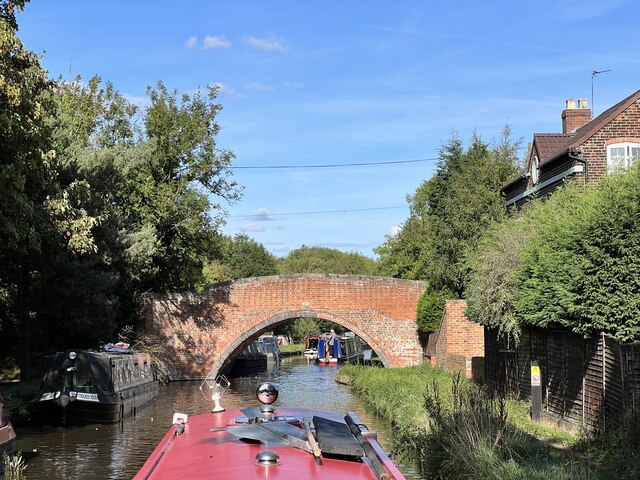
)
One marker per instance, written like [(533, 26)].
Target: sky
[(311, 85)]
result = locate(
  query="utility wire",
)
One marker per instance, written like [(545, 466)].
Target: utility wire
[(335, 165), (267, 215)]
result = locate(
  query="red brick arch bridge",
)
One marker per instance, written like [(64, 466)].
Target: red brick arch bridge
[(203, 333)]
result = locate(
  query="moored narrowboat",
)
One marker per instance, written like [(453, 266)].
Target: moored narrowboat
[(345, 349), (83, 386), (252, 359), (7, 435), (311, 347), (268, 442)]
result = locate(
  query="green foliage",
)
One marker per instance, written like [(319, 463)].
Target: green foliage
[(453, 429), (449, 213), (471, 437), (619, 449), (300, 328), (248, 258), (96, 207), (326, 260), (303, 327), (572, 261), (581, 270), (430, 310), (495, 264)]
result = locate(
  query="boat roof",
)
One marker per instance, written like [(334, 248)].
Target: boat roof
[(213, 445)]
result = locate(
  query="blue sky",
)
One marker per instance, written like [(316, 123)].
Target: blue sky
[(341, 82)]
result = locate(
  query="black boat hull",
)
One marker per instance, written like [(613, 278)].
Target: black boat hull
[(100, 409)]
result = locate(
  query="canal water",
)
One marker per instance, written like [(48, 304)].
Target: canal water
[(116, 452)]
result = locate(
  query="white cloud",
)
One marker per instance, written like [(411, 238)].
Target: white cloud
[(293, 85), (259, 86), (192, 42), (267, 44), (229, 91), (221, 41), (262, 215)]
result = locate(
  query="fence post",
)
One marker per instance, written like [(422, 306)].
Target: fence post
[(536, 391), (604, 382)]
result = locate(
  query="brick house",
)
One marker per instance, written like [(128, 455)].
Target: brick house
[(586, 150)]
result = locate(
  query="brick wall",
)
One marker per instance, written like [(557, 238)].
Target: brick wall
[(203, 333), (624, 128), (460, 342)]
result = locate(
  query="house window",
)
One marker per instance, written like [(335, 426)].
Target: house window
[(534, 170), (621, 155)]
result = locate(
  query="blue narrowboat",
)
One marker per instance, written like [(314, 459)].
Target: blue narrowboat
[(346, 348)]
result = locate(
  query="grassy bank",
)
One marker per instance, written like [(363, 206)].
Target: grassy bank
[(293, 348), (455, 430)]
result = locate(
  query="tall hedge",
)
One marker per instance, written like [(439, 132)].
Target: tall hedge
[(581, 270)]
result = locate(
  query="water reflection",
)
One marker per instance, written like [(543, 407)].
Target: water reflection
[(116, 452)]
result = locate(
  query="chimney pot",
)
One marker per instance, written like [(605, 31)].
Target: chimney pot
[(574, 117)]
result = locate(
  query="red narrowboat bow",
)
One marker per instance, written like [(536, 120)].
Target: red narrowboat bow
[(268, 443)]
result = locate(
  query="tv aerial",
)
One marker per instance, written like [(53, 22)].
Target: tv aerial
[(594, 74)]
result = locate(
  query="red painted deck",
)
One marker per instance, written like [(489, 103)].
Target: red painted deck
[(200, 453)]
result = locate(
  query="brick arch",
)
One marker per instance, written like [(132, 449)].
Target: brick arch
[(203, 332)]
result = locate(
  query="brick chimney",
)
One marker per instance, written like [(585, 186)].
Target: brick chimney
[(574, 117)]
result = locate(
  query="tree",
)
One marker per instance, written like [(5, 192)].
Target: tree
[(326, 260), (495, 264), (151, 186), (248, 258), (27, 177), (449, 212)]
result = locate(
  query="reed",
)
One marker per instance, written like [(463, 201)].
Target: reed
[(14, 466)]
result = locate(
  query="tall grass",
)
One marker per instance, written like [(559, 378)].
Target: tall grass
[(472, 438), (620, 449), (454, 429)]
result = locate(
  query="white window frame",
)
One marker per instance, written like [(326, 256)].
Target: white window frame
[(627, 160), (535, 171)]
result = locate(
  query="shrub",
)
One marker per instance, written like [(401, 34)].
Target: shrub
[(430, 310)]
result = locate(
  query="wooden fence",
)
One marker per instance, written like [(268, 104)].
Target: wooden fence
[(594, 382)]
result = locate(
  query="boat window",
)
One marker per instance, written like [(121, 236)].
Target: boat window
[(118, 380), (82, 376)]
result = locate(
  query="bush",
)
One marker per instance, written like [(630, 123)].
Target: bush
[(430, 310)]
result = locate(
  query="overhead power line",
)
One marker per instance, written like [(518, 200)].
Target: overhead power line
[(269, 214), (335, 165)]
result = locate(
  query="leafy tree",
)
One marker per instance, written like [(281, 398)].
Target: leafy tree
[(248, 258), (303, 327), (495, 264), (149, 186), (27, 181), (326, 260), (449, 213)]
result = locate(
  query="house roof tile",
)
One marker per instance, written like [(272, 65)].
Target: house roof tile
[(586, 132)]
